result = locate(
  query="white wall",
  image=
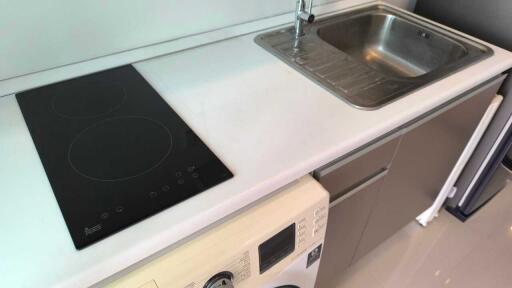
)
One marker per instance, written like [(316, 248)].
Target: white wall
[(37, 35), (40, 35)]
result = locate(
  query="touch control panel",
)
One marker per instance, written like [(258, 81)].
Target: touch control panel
[(320, 219), (251, 248)]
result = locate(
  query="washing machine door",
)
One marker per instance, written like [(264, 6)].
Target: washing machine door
[(299, 274)]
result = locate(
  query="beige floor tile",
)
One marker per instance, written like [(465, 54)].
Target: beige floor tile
[(484, 267), (446, 251), (356, 278), (393, 262), (416, 257)]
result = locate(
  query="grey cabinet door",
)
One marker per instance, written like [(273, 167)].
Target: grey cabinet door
[(348, 216), (342, 176), (353, 184), (425, 157)]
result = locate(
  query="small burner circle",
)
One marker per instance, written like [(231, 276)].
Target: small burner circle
[(87, 99), (120, 148)]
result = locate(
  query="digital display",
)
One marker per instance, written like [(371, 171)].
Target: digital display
[(276, 248)]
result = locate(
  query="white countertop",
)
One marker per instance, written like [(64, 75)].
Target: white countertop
[(265, 121)]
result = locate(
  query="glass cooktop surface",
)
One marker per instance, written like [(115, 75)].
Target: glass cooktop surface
[(114, 151)]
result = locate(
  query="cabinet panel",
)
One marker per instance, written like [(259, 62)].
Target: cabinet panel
[(423, 161), (341, 177), (347, 219)]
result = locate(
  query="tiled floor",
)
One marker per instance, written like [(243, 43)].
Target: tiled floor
[(448, 253)]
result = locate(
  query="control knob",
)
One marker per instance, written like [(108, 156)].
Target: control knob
[(220, 280)]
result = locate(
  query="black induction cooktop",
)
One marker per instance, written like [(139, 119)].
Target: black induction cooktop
[(114, 151)]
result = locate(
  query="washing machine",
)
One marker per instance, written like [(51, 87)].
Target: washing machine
[(300, 273), (275, 243)]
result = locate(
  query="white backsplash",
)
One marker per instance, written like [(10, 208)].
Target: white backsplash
[(38, 35), (41, 35)]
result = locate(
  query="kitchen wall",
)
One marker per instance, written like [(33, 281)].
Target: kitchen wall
[(40, 35), (489, 20)]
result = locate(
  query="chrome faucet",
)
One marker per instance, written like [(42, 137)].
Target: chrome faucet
[(303, 16)]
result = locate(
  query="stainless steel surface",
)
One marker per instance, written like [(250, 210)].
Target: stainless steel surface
[(421, 165), (392, 45), (345, 225), (490, 21), (302, 16), (376, 208), (487, 147), (497, 182), (340, 177), (373, 55), (361, 186)]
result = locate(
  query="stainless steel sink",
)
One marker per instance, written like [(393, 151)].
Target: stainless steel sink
[(374, 55), (392, 45)]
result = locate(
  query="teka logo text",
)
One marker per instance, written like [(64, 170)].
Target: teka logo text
[(92, 230)]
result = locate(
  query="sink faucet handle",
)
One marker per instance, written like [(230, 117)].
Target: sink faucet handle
[(307, 16)]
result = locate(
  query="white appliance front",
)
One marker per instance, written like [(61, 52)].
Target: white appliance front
[(277, 242), (299, 274)]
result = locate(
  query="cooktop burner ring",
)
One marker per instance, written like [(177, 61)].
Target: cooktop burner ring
[(102, 152), (88, 99)]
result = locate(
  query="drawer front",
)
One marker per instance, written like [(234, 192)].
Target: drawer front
[(347, 219), (343, 176)]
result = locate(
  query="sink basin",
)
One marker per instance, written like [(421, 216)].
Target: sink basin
[(372, 56), (391, 44)]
